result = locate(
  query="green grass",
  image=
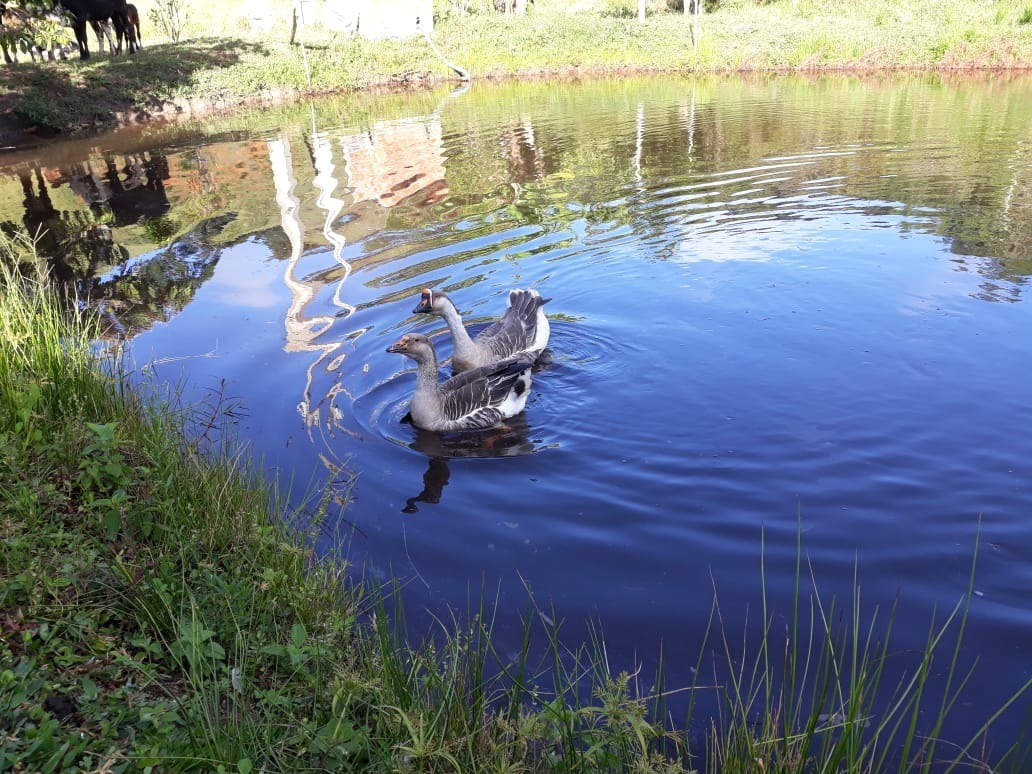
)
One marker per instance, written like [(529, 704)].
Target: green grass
[(156, 610), (235, 67), (823, 690)]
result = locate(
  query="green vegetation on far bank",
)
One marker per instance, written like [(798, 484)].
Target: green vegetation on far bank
[(203, 74), (155, 614)]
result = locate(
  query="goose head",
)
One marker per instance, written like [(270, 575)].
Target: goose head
[(433, 302), (416, 346)]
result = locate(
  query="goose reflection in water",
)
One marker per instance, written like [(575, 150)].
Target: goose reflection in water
[(510, 439)]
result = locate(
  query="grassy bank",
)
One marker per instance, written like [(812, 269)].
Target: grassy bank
[(236, 67), (156, 611)]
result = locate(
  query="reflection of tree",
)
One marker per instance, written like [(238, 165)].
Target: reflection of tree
[(76, 242), (80, 244), (660, 166), (1017, 212), (136, 191), (577, 160), (1007, 240), (156, 289), (524, 160)]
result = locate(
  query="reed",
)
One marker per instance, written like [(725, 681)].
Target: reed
[(818, 694)]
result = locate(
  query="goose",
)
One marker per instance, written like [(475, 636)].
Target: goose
[(475, 399), (522, 329)]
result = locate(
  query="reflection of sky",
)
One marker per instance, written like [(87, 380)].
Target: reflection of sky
[(238, 284), (128, 266), (726, 246), (927, 280), (757, 236)]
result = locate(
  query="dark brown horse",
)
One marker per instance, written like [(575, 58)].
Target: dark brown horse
[(84, 11), (103, 31), (133, 17)]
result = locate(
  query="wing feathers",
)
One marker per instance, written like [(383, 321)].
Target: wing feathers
[(517, 330), (475, 398)]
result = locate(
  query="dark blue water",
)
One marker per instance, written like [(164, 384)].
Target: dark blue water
[(777, 307)]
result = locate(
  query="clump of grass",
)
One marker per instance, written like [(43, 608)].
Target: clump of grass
[(1026, 15), (819, 696), (147, 595)]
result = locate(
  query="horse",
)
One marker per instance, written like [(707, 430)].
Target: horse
[(103, 31), (133, 17), (84, 11)]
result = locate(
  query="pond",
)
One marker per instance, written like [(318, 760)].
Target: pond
[(780, 307)]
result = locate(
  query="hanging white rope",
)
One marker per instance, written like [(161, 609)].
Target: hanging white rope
[(300, 16), (463, 73)]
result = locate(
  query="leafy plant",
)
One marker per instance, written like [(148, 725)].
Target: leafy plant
[(170, 17), (105, 477), (161, 229)]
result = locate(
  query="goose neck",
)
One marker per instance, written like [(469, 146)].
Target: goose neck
[(427, 372), (454, 319)]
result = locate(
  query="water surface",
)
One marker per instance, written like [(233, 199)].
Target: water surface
[(777, 305)]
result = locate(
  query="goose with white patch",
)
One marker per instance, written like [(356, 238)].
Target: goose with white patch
[(522, 329), (472, 400)]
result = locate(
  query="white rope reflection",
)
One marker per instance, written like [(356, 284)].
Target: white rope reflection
[(326, 183), (302, 333)]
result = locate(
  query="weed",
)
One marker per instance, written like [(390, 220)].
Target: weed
[(823, 698), (169, 17)]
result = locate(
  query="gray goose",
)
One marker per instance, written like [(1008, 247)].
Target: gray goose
[(472, 400), (522, 329)]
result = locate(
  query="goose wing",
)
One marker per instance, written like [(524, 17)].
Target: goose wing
[(474, 398), (517, 329)]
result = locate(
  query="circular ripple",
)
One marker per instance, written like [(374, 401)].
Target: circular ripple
[(561, 395), (383, 412)]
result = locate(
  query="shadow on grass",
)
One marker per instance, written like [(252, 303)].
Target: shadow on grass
[(76, 95)]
